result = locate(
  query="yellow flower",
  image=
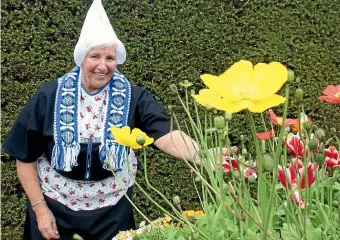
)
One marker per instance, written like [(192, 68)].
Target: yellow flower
[(244, 86), (125, 137)]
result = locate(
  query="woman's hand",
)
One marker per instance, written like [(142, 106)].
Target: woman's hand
[(46, 222)]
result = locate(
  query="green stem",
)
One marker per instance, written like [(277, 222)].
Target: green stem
[(277, 158)]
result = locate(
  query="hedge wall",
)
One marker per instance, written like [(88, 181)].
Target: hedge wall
[(167, 42)]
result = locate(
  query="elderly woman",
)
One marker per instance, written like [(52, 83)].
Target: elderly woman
[(61, 139)]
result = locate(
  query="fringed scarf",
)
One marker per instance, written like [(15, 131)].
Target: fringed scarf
[(66, 115)]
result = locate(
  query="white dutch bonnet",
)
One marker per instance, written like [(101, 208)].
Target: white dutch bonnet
[(97, 31)]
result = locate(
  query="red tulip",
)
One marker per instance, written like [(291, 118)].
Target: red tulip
[(229, 164), (295, 174), (265, 135), (295, 146), (332, 157), (332, 94), (297, 198)]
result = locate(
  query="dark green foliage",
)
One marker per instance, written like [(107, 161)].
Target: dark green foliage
[(168, 42)]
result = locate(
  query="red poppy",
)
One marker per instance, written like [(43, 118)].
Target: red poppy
[(265, 135), (332, 94), (278, 120), (295, 174), (332, 157)]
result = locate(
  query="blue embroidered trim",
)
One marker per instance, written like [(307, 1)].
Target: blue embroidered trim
[(66, 133)]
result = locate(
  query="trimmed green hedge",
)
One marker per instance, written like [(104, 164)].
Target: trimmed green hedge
[(167, 42)]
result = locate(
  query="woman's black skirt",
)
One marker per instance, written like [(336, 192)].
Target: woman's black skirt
[(101, 224)]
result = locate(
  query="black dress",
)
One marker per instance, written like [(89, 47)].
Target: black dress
[(32, 136)]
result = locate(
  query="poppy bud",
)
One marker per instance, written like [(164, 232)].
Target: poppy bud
[(268, 163), (196, 235), (242, 138), (338, 179), (140, 139), (228, 116), (173, 88), (219, 122), (335, 204), (298, 94), (297, 80), (197, 179), (333, 130), (251, 179), (77, 237), (312, 144), (107, 162), (192, 92), (320, 133), (236, 174), (320, 158), (287, 129), (244, 151), (291, 76), (209, 108), (176, 200), (307, 126)]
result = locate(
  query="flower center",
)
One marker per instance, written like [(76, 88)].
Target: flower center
[(337, 95), (245, 95)]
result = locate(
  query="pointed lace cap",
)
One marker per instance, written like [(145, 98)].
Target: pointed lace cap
[(97, 31)]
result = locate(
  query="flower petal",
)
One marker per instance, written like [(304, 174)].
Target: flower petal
[(265, 135), (263, 104), (240, 74), (221, 87), (268, 79), (122, 135)]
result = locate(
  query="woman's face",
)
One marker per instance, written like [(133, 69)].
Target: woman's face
[(98, 67)]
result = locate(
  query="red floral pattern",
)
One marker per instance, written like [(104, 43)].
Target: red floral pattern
[(80, 195)]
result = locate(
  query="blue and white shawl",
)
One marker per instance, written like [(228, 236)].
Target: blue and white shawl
[(66, 126)]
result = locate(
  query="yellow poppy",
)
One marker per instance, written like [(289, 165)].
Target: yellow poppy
[(125, 137), (243, 86)]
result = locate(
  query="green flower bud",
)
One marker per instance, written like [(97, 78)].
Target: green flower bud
[(228, 116), (219, 122), (77, 237), (298, 94), (307, 126), (242, 138), (251, 179), (107, 162), (338, 179), (291, 76), (197, 179), (173, 88), (195, 235), (320, 158), (312, 144), (333, 130), (209, 108), (192, 92), (176, 200), (186, 84), (320, 133), (140, 139), (268, 163), (236, 174), (335, 203), (297, 80), (244, 151)]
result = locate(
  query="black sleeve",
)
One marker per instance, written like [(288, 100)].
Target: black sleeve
[(153, 119), (25, 140)]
